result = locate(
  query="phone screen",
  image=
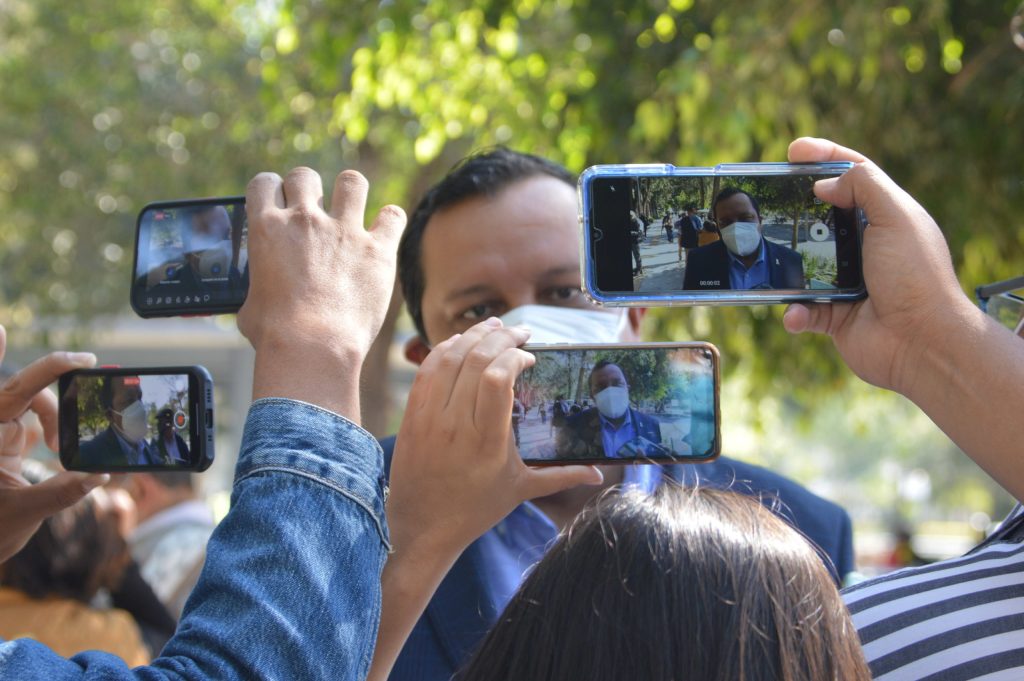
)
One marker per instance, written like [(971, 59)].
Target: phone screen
[(614, 404), (731, 236), (191, 258), (112, 420)]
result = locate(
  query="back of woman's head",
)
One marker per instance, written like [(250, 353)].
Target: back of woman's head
[(689, 583)]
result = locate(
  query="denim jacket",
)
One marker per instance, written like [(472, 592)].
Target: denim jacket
[(291, 584)]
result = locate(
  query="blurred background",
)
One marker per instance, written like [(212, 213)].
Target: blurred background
[(104, 111)]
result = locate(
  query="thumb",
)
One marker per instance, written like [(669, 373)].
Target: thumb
[(548, 480), (801, 318), (57, 493)]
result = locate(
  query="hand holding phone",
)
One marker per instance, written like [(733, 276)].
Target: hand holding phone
[(24, 506), (128, 420), (738, 234), (605, 404)]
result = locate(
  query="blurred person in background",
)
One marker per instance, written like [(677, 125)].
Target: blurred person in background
[(169, 541), (49, 586)]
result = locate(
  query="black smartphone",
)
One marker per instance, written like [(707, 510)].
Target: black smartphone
[(191, 258), (736, 234), (136, 419), (618, 403)]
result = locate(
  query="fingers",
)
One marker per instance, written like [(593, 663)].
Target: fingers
[(348, 202), (38, 502), (264, 193), (541, 482), (303, 187), (817, 150), (818, 318), (419, 393), (482, 373), (494, 397), (450, 362), (20, 391), (389, 225)]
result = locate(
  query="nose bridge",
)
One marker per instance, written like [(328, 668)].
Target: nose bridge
[(520, 293)]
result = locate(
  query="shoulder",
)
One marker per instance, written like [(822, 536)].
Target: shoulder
[(906, 618), (782, 252), (753, 479), (583, 419), (715, 249)]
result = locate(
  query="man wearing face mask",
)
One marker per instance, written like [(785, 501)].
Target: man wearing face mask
[(123, 442), (499, 236), (603, 431), (743, 259)]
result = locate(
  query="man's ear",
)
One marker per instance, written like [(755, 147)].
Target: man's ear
[(416, 350), (636, 315)]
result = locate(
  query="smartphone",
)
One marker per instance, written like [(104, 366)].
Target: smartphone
[(608, 404), (132, 419), (734, 234), (191, 258)]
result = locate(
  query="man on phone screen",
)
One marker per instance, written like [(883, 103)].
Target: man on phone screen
[(123, 441), (609, 429), (743, 259)]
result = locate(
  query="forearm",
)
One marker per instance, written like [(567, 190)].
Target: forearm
[(408, 582), (291, 584), (970, 380)]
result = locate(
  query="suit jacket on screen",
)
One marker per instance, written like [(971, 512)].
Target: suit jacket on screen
[(708, 267)]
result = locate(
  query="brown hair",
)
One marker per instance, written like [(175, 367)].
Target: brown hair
[(692, 583)]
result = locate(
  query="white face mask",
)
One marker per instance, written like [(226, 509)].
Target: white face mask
[(133, 422), (742, 238), (613, 401), (550, 324)]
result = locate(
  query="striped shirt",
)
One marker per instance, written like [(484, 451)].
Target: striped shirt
[(961, 618)]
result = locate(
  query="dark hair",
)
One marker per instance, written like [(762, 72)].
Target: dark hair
[(601, 365), (107, 392), (484, 173), (694, 583), (729, 192), (73, 554)]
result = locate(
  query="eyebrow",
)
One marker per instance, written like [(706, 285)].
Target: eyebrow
[(478, 289)]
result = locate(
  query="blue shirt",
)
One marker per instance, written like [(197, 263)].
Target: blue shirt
[(519, 541), (743, 279), (613, 437), (291, 584), (136, 454)]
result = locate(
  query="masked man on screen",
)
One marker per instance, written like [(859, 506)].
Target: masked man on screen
[(743, 259), (612, 429), (499, 236), (123, 442)]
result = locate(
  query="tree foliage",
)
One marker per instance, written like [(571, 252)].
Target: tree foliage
[(103, 112)]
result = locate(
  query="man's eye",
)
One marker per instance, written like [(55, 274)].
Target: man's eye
[(563, 294), (477, 312)]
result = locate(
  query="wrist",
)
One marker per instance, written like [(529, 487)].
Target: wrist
[(323, 371), (931, 359)]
